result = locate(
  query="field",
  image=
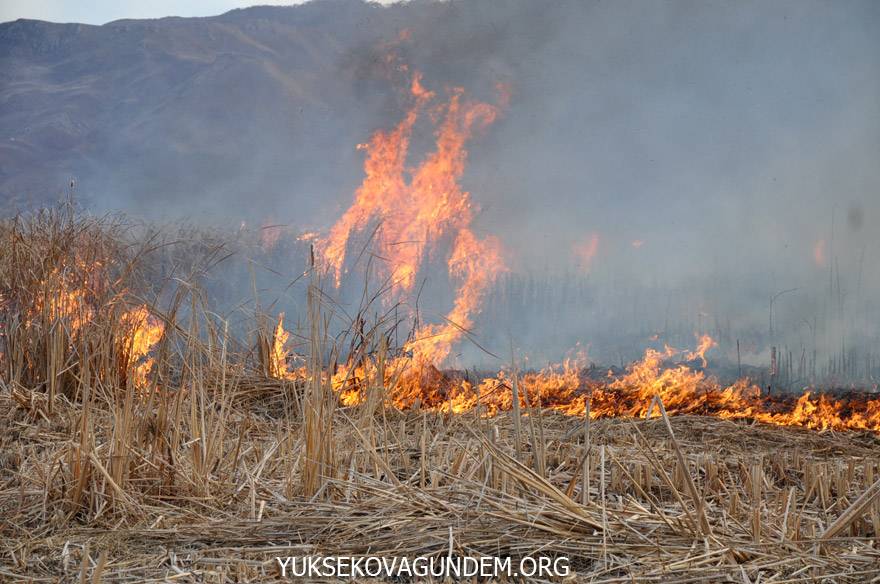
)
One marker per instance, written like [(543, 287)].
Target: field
[(146, 439)]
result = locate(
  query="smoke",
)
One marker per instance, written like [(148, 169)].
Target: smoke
[(727, 138), (699, 153)]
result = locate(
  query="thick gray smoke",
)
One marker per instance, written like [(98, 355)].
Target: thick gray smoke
[(663, 169)]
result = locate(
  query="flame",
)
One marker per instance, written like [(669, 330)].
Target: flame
[(143, 333), (585, 251), (69, 301), (568, 386), (819, 253), (415, 209), (704, 343), (476, 264), (410, 214), (308, 236), (637, 243), (684, 390), (277, 352), (65, 301)]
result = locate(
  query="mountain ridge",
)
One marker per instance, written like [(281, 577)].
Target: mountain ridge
[(96, 103)]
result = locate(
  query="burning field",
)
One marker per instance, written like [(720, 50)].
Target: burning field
[(150, 444), (150, 436)]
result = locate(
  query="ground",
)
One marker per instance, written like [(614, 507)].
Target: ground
[(761, 499)]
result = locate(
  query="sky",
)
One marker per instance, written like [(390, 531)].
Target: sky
[(102, 11)]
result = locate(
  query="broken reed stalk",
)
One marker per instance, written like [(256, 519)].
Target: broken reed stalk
[(705, 528), (853, 512)]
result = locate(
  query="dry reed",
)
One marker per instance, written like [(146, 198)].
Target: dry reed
[(209, 466)]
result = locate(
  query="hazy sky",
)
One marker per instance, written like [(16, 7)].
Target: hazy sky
[(101, 11)]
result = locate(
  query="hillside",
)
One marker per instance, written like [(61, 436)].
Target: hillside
[(254, 102)]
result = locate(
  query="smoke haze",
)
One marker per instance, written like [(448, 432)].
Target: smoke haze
[(661, 169)]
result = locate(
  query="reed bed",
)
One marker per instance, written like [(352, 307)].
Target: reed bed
[(204, 467)]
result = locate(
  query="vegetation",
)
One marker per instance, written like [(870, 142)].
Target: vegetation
[(144, 440)]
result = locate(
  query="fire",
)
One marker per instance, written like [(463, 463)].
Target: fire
[(308, 236), (278, 352), (677, 386), (65, 301), (69, 302), (684, 390), (476, 264), (410, 214), (819, 253), (585, 251), (567, 387), (417, 209), (704, 343), (143, 333)]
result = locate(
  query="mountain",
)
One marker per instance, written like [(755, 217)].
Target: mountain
[(208, 115), (648, 116)]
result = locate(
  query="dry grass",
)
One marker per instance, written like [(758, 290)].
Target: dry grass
[(211, 468)]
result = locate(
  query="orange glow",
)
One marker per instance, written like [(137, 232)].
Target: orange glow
[(412, 213), (819, 253), (65, 301), (70, 302), (637, 243), (308, 236), (704, 343), (585, 251), (565, 387), (416, 209), (143, 333), (278, 354)]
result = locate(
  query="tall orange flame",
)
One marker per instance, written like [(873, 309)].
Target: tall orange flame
[(415, 208), (278, 351)]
